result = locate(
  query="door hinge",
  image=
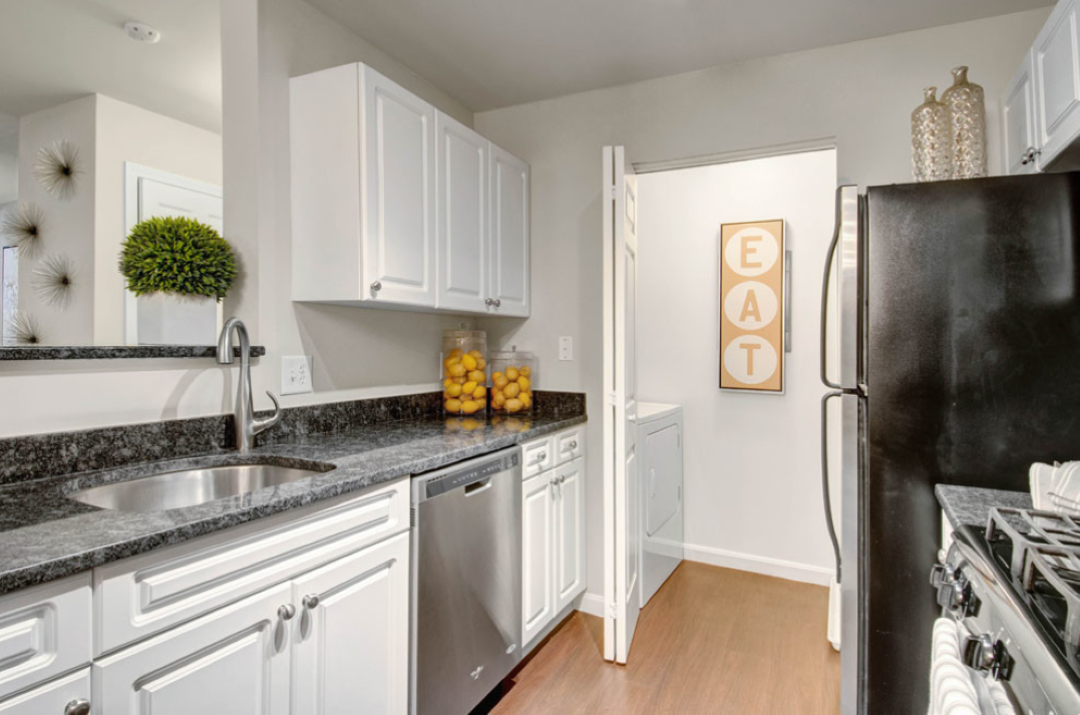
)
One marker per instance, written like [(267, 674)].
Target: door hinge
[(611, 399), (613, 610), (611, 192)]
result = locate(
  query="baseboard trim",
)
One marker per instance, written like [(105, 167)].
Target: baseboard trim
[(592, 604), (764, 565)]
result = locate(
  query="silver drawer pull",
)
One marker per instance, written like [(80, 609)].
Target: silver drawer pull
[(311, 602), (540, 457), (77, 707), (286, 612), (572, 445)]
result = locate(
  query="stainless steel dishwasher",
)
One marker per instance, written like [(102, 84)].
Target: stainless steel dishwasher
[(466, 582)]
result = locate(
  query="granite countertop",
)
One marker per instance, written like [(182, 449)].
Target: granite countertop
[(970, 506), (46, 536)]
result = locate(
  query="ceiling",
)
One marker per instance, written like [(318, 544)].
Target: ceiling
[(496, 53), (57, 50)]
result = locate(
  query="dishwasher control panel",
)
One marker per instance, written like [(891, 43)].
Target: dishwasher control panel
[(475, 473)]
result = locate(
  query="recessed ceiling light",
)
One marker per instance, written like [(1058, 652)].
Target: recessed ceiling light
[(141, 31)]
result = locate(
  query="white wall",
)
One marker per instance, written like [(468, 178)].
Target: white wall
[(67, 224), (858, 95), (749, 459), (126, 133), (9, 159)]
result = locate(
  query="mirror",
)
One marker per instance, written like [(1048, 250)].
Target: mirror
[(110, 115)]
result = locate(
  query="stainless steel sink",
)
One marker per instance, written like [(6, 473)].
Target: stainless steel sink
[(189, 487)]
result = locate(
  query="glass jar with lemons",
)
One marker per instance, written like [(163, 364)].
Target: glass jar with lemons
[(464, 371), (513, 377)]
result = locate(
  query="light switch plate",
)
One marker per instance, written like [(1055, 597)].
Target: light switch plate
[(295, 374), (566, 347)]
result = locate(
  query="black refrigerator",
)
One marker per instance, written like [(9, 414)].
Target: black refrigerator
[(958, 305)]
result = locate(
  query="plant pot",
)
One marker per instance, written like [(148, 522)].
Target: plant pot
[(171, 319)]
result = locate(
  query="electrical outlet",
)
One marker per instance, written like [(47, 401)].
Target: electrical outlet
[(295, 374), (566, 347)]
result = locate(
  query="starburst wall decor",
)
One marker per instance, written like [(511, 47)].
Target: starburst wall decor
[(22, 226), (24, 330), (54, 280), (58, 169)]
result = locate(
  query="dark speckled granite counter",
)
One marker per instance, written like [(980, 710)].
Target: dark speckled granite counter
[(971, 505), (44, 535)]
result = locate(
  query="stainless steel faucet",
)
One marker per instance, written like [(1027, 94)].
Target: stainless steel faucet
[(244, 421)]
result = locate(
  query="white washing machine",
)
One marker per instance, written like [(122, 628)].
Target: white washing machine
[(660, 451)]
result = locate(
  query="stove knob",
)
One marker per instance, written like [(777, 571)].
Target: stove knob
[(986, 656), (952, 595), (941, 574)]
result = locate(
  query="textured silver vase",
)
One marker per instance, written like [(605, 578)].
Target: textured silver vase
[(967, 111), (931, 139)]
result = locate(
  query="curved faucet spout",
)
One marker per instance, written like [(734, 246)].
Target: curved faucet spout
[(245, 425)]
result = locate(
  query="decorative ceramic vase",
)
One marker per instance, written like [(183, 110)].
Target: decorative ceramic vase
[(171, 319), (931, 139), (967, 111)]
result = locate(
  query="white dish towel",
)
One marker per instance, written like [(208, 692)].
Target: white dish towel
[(954, 688)]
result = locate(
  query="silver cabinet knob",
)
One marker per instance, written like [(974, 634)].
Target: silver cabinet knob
[(376, 287), (497, 302), (489, 302), (540, 457), (311, 601), (573, 445), (80, 706), (562, 479), (1028, 156), (286, 612)]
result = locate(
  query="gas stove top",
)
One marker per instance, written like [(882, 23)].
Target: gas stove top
[(1015, 587)]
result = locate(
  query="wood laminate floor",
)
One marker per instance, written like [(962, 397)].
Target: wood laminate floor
[(712, 640)]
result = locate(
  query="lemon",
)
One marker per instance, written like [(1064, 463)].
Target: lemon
[(513, 405), (456, 353), (480, 392), (524, 383), (512, 390), (453, 390), (447, 382), (469, 406), (469, 362), (476, 376), (525, 371), (498, 400), (468, 388), (482, 403), (476, 354), (512, 374), (526, 400), (481, 363), (453, 405), (499, 380), (456, 370)]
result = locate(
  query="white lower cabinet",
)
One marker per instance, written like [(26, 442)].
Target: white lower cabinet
[(236, 660), (569, 532), (62, 696), (537, 543), (553, 540), (350, 648)]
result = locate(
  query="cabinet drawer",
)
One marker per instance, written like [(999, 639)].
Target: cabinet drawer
[(146, 594), (51, 698), (538, 456), (44, 631), (569, 445)]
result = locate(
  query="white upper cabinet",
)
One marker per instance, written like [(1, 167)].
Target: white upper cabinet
[(461, 234), (509, 234), (363, 190), (397, 205), (1057, 81), (1018, 121)]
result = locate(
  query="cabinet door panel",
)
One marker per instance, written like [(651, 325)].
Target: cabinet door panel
[(1057, 80), (461, 235), (235, 660), (569, 533), (352, 648), (537, 590), (509, 228), (51, 698), (399, 180), (1018, 120)]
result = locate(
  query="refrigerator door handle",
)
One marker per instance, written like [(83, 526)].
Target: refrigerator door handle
[(830, 256), (826, 497)]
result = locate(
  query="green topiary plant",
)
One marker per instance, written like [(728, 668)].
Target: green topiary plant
[(177, 255)]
